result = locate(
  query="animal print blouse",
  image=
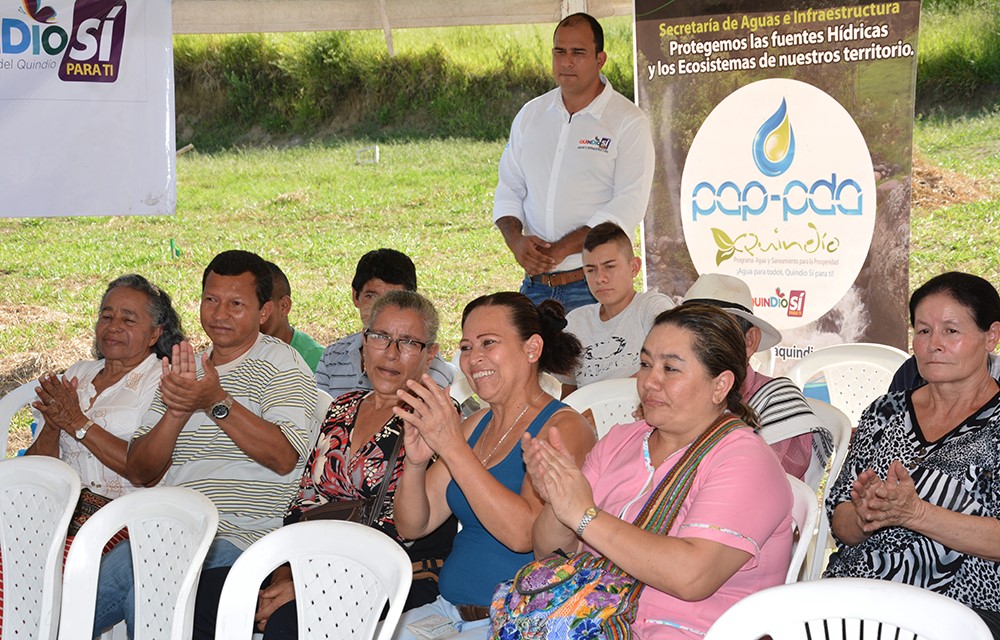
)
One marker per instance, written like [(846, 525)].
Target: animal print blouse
[(958, 472)]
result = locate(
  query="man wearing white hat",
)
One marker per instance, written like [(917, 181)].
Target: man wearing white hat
[(776, 400)]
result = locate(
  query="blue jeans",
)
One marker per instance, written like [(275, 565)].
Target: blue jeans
[(116, 586), (572, 295)]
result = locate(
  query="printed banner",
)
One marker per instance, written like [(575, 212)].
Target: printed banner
[(86, 108), (784, 151)]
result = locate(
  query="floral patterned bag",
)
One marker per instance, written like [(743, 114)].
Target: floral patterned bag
[(584, 596)]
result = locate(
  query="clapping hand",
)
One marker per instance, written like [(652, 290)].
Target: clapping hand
[(183, 392), (432, 415), (58, 403), (557, 478)]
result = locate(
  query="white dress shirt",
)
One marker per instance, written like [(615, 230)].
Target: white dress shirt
[(560, 172)]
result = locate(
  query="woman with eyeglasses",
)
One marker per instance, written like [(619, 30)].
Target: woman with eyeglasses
[(506, 342), (351, 457)]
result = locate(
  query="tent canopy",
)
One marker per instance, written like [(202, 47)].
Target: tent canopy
[(264, 16)]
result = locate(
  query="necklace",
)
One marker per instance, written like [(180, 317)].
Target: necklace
[(511, 428)]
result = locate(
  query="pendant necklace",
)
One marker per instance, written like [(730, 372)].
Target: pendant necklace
[(511, 428)]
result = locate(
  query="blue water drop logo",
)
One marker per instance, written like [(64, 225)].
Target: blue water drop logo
[(774, 144)]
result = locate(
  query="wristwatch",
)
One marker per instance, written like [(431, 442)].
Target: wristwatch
[(220, 410), (588, 515), (81, 433)]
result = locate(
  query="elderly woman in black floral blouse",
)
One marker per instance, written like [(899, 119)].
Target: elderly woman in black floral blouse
[(918, 500), (351, 459)]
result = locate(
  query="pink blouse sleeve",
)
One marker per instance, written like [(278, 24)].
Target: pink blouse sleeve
[(740, 497)]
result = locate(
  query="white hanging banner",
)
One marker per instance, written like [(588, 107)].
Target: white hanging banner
[(86, 108)]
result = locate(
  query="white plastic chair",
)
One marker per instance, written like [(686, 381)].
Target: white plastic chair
[(170, 530), (343, 574), (323, 402), (10, 404), (611, 401), (805, 515), (855, 374), (854, 608), (839, 428), (38, 495)]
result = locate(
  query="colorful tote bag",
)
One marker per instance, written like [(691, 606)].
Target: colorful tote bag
[(587, 597)]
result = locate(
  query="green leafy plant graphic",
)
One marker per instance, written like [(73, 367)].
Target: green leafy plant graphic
[(727, 248)]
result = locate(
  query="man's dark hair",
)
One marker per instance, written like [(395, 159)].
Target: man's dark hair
[(237, 262), (389, 266), (603, 234), (282, 286), (585, 18)]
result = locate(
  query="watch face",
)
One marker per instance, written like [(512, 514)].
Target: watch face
[(80, 433), (220, 411)]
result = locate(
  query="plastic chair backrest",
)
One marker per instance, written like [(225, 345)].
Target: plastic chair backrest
[(611, 401), (38, 495), (323, 402), (855, 374), (10, 404), (805, 515), (840, 427), (842, 608), (170, 530), (343, 574)]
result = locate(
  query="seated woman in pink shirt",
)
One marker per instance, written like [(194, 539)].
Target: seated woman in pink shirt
[(732, 535)]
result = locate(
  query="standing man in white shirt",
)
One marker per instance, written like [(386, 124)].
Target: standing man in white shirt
[(577, 156)]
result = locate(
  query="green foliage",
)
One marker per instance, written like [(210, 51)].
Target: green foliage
[(470, 81), (959, 52), (466, 82)]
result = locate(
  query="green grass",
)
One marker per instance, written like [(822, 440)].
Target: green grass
[(959, 237), (959, 52), (313, 210), (968, 143)]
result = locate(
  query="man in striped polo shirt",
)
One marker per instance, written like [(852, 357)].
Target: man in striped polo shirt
[(234, 423)]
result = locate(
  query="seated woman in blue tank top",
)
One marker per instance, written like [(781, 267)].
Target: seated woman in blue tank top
[(506, 343)]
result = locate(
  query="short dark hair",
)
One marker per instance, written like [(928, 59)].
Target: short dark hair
[(282, 286), (584, 18), (561, 349), (972, 292), (389, 266), (160, 309), (603, 234), (236, 262)]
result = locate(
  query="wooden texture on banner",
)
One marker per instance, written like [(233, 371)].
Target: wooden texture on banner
[(253, 16)]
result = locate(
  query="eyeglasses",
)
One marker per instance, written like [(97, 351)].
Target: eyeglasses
[(406, 346)]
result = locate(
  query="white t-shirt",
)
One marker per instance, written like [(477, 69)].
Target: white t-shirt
[(611, 349)]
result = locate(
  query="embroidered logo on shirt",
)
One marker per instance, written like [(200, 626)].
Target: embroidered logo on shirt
[(596, 143)]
